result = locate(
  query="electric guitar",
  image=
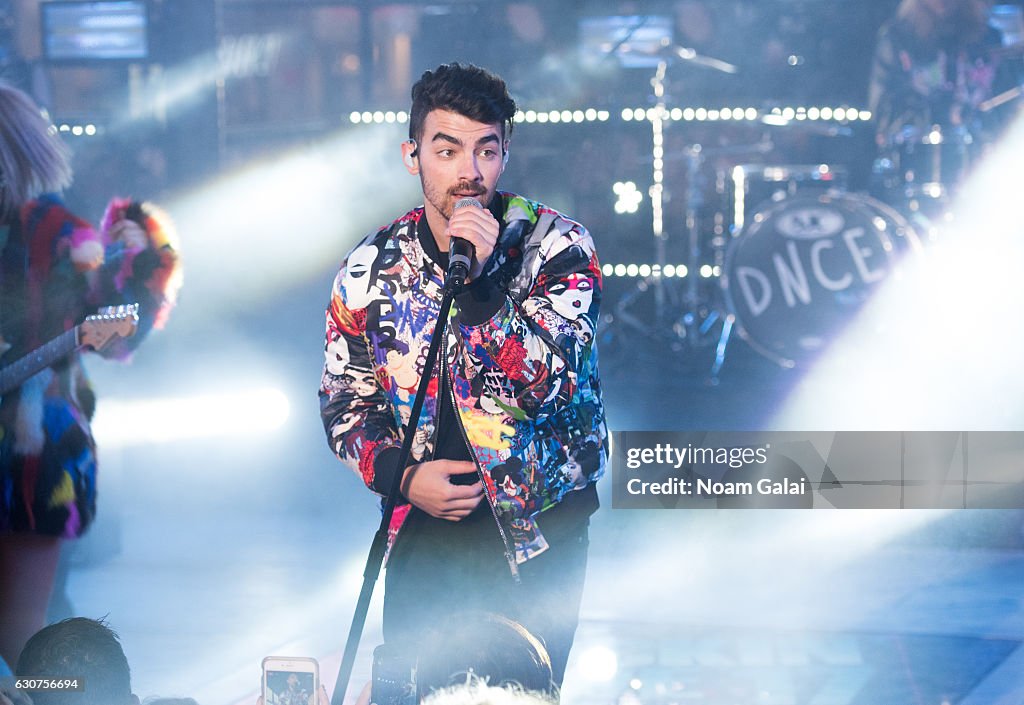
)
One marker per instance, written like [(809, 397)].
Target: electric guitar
[(94, 332)]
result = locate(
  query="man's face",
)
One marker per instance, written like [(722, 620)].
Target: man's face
[(458, 157)]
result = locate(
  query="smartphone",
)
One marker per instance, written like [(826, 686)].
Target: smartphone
[(290, 680)]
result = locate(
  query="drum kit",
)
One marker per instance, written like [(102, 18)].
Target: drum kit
[(788, 255)]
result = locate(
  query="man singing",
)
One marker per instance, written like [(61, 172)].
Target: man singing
[(497, 497)]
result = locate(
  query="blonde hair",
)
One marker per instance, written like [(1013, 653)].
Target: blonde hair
[(476, 691), (33, 158)]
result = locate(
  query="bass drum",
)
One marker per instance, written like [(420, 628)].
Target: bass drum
[(801, 269)]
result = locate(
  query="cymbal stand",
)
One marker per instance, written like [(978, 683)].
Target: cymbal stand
[(655, 280)]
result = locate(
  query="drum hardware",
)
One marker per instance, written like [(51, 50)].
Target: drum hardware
[(802, 267), (665, 297)]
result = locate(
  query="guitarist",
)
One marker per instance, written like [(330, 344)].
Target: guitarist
[(54, 270)]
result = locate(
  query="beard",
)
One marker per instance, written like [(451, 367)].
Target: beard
[(443, 201)]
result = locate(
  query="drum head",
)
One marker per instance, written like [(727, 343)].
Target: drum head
[(803, 267)]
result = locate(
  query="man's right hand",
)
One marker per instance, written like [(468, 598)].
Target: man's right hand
[(429, 487)]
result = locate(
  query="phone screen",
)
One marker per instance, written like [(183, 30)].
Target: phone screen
[(290, 688)]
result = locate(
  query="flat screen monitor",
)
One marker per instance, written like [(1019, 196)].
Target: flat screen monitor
[(108, 30)]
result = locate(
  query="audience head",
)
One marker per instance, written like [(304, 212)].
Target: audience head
[(477, 692), (485, 646), (83, 648)]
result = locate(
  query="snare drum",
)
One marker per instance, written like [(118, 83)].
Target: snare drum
[(804, 266)]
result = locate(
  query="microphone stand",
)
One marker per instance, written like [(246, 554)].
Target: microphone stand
[(375, 559)]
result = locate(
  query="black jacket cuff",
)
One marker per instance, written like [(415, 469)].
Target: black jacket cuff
[(385, 465), (479, 301)]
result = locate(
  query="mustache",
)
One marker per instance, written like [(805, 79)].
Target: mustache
[(475, 189)]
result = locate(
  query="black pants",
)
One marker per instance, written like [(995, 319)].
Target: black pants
[(438, 568)]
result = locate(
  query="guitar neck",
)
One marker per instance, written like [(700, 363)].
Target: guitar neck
[(14, 375)]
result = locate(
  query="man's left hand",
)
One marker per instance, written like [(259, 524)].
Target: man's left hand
[(479, 227)]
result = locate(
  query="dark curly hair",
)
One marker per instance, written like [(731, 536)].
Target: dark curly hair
[(465, 89)]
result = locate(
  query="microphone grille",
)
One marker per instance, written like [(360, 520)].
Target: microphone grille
[(467, 201)]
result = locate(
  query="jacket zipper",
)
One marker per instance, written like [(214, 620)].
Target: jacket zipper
[(509, 555)]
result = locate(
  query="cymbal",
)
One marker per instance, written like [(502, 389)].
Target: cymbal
[(675, 53)]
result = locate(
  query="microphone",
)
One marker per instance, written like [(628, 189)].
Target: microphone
[(460, 251)]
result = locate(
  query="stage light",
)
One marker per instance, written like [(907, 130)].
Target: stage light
[(632, 270), (90, 130), (531, 116), (682, 270), (706, 271), (122, 422), (566, 115), (644, 270), (554, 116), (669, 270), (577, 116), (378, 117), (590, 114), (520, 116), (284, 198), (904, 339), (826, 113), (542, 117), (636, 683), (627, 114), (354, 117), (598, 664), (65, 128), (865, 115), (403, 116), (620, 270), (629, 197), (367, 116), (813, 113), (713, 114), (77, 130), (607, 270), (788, 114), (839, 113), (602, 115), (676, 113), (689, 114), (701, 114), (726, 113)]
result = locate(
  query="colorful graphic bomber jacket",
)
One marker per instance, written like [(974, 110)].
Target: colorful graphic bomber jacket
[(521, 359)]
